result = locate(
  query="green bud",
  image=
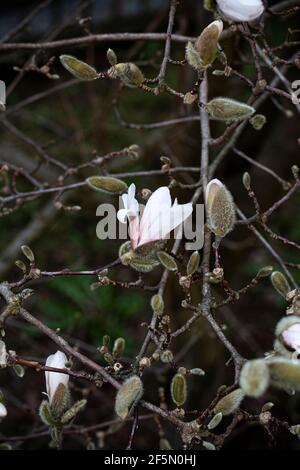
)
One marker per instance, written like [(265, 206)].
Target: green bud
[(21, 266), (229, 404), (247, 181), (157, 304), (280, 283), (167, 261), (164, 444), (128, 395), (178, 389), (106, 340), (197, 371), (258, 121), (226, 109), (28, 253), (19, 370), (267, 406), (111, 57), (134, 151), (71, 413), (107, 184), (128, 73), (193, 58), (166, 356), (78, 68), (119, 347), (209, 5), (254, 378), (45, 413), (193, 263), (295, 171), (208, 445), (220, 208), (264, 272), (215, 421)]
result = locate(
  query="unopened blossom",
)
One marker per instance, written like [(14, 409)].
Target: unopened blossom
[(291, 337), (54, 379), (220, 208), (3, 411), (160, 217), (241, 10)]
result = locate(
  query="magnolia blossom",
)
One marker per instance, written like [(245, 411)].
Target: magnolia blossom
[(3, 411), (160, 217), (241, 10), (291, 337), (53, 379)]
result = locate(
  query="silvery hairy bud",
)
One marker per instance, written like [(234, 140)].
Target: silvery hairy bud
[(128, 395), (255, 378), (111, 57), (285, 373), (230, 403), (79, 69), (107, 184), (280, 283), (258, 121), (220, 208), (227, 109), (143, 264), (129, 73), (179, 389), (204, 52)]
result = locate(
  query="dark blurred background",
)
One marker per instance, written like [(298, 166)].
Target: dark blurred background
[(76, 121)]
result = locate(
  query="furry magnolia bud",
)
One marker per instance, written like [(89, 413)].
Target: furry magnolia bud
[(254, 378), (157, 304), (27, 251), (258, 121), (179, 389), (128, 395), (220, 208), (107, 184), (118, 347), (287, 333), (78, 68), (226, 109), (111, 57), (129, 73), (285, 374), (229, 404), (280, 283), (167, 261), (215, 421), (193, 263), (166, 356), (207, 43)]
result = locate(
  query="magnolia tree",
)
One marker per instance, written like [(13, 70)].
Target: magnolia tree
[(205, 217)]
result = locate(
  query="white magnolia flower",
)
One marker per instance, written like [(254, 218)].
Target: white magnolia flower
[(241, 10), (53, 379), (160, 217), (291, 337), (211, 190), (3, 411)]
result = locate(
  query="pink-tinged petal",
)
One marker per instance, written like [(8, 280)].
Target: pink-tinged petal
[(212, 186), (291, 337), (131, 205)]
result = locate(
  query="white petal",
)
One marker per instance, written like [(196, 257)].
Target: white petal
[(53, 379), (131, 205), (241, 10), (3, 411)]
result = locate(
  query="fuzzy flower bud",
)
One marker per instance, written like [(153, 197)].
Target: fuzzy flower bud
[(78, 68), (130, 392), (227, 109), (207, 43), (287, 333), (285, 374), (178, 389), (220, 208), (254, 378), (229, 404), (128, 73)]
